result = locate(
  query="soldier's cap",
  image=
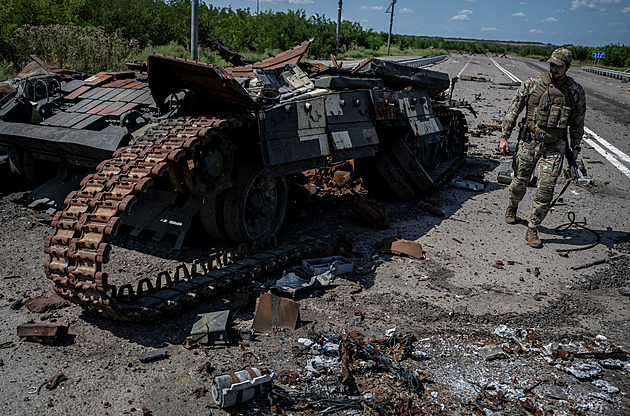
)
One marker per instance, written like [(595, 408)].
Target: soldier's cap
[(560, 57)]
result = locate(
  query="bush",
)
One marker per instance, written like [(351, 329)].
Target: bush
[(6, 70), (84, 49)]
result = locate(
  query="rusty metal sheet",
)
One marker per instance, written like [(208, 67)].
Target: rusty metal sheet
[(99, 79), (6, 88), (275, 312), (292, 56), (124, 109), (168, 75), (78, 91), (401, 246), (41, 330)]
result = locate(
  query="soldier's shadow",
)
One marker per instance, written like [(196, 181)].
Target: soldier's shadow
[(573, 236)]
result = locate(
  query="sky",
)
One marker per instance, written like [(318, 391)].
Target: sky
[(559, 22)]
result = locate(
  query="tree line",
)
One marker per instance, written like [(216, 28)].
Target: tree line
[(67, 31)]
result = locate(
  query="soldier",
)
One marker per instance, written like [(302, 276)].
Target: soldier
[(554, 101)]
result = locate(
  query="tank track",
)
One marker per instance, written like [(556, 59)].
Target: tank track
[(79, 246), (445, 172)]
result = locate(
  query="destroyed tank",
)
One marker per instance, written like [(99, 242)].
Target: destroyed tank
[(187, 138)]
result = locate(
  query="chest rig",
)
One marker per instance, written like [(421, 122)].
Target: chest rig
[(548, 110)]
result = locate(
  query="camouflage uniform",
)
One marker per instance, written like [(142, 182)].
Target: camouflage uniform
[(548, 156)]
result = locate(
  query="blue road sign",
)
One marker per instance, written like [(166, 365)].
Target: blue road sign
[(597, 54)]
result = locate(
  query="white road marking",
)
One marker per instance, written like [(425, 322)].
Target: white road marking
[(610, 152), (611, 158), (460, 72), (620, 155), (505, 71)]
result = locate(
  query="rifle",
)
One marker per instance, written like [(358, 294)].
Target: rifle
[(574, 170)]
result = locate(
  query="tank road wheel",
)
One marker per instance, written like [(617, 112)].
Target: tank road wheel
[(455, 129), (253, 208), (209, 213), (256, 206)]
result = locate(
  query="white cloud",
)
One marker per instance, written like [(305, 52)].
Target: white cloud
[(625, 10), (462, 15), (519, 14), (535, 31), (592, 4), (405, 10), (550, 19), (522, 3), (489, 29), (372, 8), (301, 1)]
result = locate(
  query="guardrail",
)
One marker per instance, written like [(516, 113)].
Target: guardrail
[(419, 62), (607, 72)]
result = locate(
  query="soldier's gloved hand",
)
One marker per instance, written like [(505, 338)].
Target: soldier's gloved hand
[(504, 147)]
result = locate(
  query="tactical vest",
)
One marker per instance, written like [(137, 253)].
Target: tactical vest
[(548, 110)]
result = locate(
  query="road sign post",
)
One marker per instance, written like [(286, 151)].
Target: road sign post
[(598, 55)]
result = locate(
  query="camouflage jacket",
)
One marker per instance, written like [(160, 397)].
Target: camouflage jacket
[(576, 118)]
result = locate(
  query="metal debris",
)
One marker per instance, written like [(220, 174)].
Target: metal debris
[(238, 387), (466, 184), (431, 209), (292, 283), (273, 311), (54, 382), (209, 328), (151, 356), (473, 78), (338, 264), (17, 304), (400, 246), (491, 352), (40, 332), (369, 213), (43, 304), (610, 259)]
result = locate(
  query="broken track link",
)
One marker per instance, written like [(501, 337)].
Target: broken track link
[(78, 247)]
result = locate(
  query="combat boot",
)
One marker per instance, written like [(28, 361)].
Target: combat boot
[(510, 215), (531, 236)]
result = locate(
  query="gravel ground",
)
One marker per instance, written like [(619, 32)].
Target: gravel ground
[(458, 318)]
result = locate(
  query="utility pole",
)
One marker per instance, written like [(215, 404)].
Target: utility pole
[(338, 25), (257, 6), (194, 26), (390, 9)]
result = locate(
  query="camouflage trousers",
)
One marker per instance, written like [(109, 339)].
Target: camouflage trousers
[(548, 157)]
